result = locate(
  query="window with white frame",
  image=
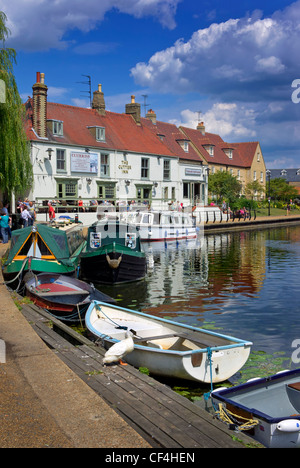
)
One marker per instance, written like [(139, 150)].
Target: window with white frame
[(104, 165), (61, 160), (145, 168), (261, 176), (254, 175), (57, 127), (100, 133), (167, 169)]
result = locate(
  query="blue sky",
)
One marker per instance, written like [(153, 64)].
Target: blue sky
[(234, 62)]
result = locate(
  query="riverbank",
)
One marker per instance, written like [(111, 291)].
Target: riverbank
[(43, 403), (261, 222)]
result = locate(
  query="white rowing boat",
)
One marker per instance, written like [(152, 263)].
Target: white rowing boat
[(169, 348)]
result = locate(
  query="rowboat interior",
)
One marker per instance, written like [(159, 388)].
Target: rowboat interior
[(153, 334)]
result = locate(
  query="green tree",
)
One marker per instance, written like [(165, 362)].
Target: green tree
[(15, 164), (281, 190), (224, 186), (254, 188)]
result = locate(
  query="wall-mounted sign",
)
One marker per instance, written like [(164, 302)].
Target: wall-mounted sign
[(193, 171), (124, 167), (84, 162)]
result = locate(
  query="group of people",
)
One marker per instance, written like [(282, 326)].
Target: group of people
[(27, 213)]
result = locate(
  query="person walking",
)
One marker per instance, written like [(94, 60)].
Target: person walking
[(5, 221), (31, 210), (26, 216)]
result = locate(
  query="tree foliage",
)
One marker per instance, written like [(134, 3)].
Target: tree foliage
[(224, 186), (15, 164), (281, 190)]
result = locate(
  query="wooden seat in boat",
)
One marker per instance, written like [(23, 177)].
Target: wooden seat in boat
[(185, 336), (295, 386)]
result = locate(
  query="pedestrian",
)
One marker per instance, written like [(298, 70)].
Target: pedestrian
[(288, 209), (26, 216), (51, 212), (5, 221), (32, 213)]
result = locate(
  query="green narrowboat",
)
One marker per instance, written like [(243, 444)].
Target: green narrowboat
[(43, 249)]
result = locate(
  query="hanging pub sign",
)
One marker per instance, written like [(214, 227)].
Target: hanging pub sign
[(84, 162)]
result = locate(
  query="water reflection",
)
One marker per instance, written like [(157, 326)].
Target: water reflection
[(245, 283)]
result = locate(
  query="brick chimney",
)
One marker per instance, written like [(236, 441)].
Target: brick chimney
[(134, 109), (39, 93), (201, 127), (152, 116), (98, 100)]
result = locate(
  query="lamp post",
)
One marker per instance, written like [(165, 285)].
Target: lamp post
[(269, 190)]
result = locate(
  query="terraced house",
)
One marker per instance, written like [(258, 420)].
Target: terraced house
[(91, 154), (243, 160)]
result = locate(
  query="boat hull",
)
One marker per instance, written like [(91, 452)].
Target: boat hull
[(101, 266), (168, 348), (67, 298), (164, 226), (273, 402)]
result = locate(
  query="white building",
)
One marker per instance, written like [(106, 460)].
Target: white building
[(93, 154)]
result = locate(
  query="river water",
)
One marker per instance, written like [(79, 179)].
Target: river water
[(244, 284)]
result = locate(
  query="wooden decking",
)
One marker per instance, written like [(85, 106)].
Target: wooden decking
[(162, 417)]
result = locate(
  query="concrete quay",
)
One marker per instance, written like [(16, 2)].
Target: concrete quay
[(43, 404), (261, 222)]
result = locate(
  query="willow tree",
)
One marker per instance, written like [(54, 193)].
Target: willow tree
[(15, 164)]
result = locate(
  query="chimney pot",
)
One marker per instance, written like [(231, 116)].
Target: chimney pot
[(39, 97), (98, 101), (134, 109)]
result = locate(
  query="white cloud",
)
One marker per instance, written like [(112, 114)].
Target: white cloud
[(231, 122), (226, 58), (271, 65), (38, 25)]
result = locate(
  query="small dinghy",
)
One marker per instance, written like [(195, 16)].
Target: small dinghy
[(272, 404), (65, 297), (168, 348)]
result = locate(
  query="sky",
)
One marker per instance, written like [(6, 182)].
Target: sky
[(233, 65)]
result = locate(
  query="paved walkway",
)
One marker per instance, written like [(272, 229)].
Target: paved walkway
[(42, 402)]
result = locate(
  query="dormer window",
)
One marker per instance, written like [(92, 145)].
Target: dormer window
[(228, 152), (298, 172), (97, 132), (184, 144), (100, 133), (210, 149), (283, 172), (56, 127)]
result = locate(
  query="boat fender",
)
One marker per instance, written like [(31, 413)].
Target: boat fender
[(289, 425), (252, 380), (113, 263), (219, 390)]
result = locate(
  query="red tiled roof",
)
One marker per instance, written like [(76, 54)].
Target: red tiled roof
[(121, 131), (242, 154), (171, 136)]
